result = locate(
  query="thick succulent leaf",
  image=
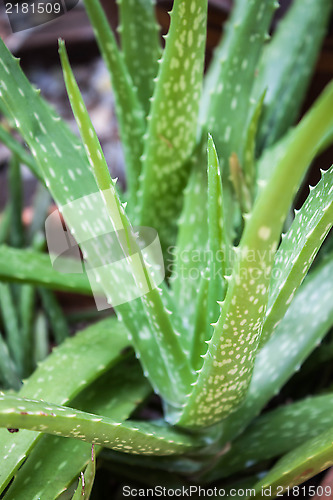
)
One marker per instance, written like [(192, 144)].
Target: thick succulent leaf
[(130, 436), (27, 313), (15, 147), (231, 352), (284, 353), (230, 94), (116, 394), (312, 457), (140, 43), (229, 116), (212, 75), (187, 259), (129, 111), (298, 250), (40, 338), (199, 346), (86, 480), (287, 64), (91, 353), (9, 376), (249, 154), (29, 266), (41, 204), (166, 337), (277, 432), (52, 144), (55, 315), (5, 223), (16, 200), (218, 246), (172, 125), (272, 156), (11, 324)]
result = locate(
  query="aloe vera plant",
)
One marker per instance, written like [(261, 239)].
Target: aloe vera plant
[(213, 165)]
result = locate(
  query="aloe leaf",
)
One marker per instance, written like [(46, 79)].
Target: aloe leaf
[(22, 154), (200, 322), (283, 354), (27, 312), (91, 352), (211, 79), (40, 338), (129, 112), (298, 250), (68, 456), (171, 134), (5, 223), (312, 457), (29, 266), (249, 164), (10, 319), (138, 22), (229, 103), (86, 480), (16, 197), (187, 259), (55, 315), (130, 437), (231, 352), (166, 337), (41, 205), (291, 52), (9, 376), (217, 244), (77, 193), (277, 432)]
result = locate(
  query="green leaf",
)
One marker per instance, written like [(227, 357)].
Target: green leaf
[(218, 246), (77, 194), (40, 338), (172, 125), (298, 250), (136, 265), (187, 259), (16, 232), (200, 322), (5, 223), (8, 372), (277, 432), (86, 480), (91, 353), (116, 394), (129, 112), (130, 437), (228, 115), (10, 320), (287, 65), (249, 164), (231, 352), (55, 315), (27, 313), (283, 354), (29, 266), (309, 317), (140, 42), (312, 457), (15, 147)]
